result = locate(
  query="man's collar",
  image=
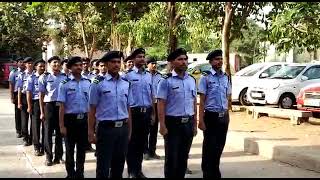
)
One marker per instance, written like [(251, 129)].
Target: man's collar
[(27, 72), (71, 76), (173, 72), (109, 77), (135, 69), (214, 72)]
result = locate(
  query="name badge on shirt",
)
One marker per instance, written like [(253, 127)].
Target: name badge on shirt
[(135, 79), (80, 116), (106, 92), (175, 87)]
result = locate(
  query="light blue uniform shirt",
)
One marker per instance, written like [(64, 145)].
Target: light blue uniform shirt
[(111, 98), (140, 87), (216, 87), (74, 95), (89, 75), (179, 93), (49, 84), (155, 82), (33, 86), (22, 82), (13, 77)]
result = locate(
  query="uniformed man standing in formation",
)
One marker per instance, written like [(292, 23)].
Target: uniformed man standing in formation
[(86, 69), (48, 95), (94, 68), (102, 67), (74, 98), (141, 108), (34, 107), (109, 106), (214, 89), (13, 89), (177, 113), (150, 148), (22, 101), (65, 69)]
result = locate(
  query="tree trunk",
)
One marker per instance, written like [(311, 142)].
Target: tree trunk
[(114, 38), (128, 50), (173, 40), (93, 46), (226, 43), (83, 32)]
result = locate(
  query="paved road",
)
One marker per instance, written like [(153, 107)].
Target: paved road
[(18, 161)]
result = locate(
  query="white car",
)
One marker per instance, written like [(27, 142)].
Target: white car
[(283, 87), (250, 75)]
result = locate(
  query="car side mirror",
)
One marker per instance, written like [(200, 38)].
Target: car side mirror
[(304, 78), (264, 75)]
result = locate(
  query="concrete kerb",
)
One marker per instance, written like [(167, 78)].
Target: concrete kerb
[(285, 154)]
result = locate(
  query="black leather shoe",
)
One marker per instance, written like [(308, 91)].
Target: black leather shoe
[(19, 135), (56, 161), (141, 175), (27, 143), (37, 152), (132, 176), (155, 156), (188, 171), (48, 162)]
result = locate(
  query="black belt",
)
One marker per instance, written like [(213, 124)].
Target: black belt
[(113, 124), (76, 116), (140, 109), (55, 103), (218, 114), (179, 119)]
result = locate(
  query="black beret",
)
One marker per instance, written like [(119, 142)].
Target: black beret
[(54, 58), (214, 54), (27, 59), (19, 59), (38, 61), (64, 61), (151, 60), (85, 59), (93, 62), (137, 51), (111, 55), (73, 60), (176, 53), (128, 58)]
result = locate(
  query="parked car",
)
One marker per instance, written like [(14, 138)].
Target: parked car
[(196, 68), (283, 87), (5, 69), (250, 75), (309, 98), (161, 66)]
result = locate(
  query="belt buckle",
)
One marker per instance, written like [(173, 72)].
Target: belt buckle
[(184, 120), (80, 116), (118, 123), (221, 114), (144, 110), (57, 104)]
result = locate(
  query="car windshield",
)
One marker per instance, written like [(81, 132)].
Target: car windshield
[(250, 70), (288, 72)]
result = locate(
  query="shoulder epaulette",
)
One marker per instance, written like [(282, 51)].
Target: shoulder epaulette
[(87, 79), (130, 70), (65, 81), (125, 79), (165, 76), (64, 74), (98, 79), (46, 73), (205, 73)]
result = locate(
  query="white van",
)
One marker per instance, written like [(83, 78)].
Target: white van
[(283, 87)]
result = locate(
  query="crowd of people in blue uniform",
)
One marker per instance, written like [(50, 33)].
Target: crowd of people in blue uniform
[(121, 110)]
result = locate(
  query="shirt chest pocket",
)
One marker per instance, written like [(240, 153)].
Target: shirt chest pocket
[(71, 93), (108, 93), (176, 90), (214, 85)]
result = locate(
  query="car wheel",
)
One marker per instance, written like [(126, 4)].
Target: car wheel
[(244, 99), (287, 101)]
